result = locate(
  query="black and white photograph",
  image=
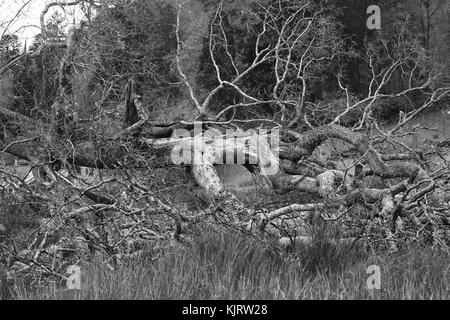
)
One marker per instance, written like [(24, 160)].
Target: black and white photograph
[(223, 156)]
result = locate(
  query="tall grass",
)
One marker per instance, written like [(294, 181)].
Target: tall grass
[(232, 266)]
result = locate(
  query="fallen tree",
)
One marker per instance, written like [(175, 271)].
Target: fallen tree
[(411, 204)]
